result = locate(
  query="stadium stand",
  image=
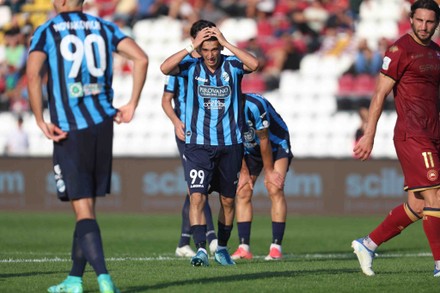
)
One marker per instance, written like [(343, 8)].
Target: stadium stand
[(309, 99)]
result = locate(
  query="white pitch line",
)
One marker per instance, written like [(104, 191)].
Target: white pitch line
[(165, 258)]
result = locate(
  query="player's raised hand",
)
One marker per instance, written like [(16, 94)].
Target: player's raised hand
[(214, 31), (201, 36)]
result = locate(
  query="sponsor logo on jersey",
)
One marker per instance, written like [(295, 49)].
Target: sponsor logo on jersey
[(219, 92), (386, 63)]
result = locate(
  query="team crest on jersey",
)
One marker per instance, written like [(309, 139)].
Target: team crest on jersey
[(432, 175), (225, 76), (394, 49)]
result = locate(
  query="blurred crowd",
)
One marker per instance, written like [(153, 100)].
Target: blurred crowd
[(287, 30)]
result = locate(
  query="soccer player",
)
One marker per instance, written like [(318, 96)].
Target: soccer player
[(174, 93), (411, 68), (75, 49), (213, 129), (267, 146)]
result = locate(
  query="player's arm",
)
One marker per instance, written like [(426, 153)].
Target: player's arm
[(130, 50), (34, 72), (171, 65), (167, 107), (271, 176), (363, 148), (250, 62)]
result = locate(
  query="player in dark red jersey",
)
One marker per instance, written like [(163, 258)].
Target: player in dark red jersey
[(411, 68)]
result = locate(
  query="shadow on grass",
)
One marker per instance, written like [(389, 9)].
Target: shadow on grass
[(233, 278)]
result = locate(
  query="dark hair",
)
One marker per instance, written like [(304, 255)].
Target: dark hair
[(426, 4), (199, 25)]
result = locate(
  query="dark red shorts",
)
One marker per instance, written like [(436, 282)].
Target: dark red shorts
[(420, 162)]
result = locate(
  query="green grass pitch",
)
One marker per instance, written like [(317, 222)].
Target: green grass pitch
[(35, 253)]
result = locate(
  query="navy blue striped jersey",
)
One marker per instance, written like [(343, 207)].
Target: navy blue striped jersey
[(79, 50), (214, 104), (177, 85), (259, 115)]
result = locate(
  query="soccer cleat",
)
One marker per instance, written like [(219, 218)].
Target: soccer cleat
[(200, 259), (242, 252), (364, 255), (222, 257), (185, 251), (436, 272), (213, 246), (106, 284), (274, 252), (71, 284)]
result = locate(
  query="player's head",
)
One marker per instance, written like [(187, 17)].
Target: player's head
[(199, 25), (424, 18), (67, 5)]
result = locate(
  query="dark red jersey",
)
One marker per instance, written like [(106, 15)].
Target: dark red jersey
[(416, 70)]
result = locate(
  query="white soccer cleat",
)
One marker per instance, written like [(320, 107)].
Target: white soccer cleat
[(364, 255), (213, 246), (185, 251)]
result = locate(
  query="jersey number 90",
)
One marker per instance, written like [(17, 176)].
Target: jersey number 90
[(74, 49)]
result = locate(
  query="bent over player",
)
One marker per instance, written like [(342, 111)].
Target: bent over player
[(213, 130), (411, 68), (75, 49), (267, 147)]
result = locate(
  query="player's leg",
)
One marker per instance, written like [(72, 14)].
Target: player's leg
[(227, 171), (198, 174), (431, 224), (278, 211), (198, 228), (211, 237), (183, 248), (244, 213), (401, 216)]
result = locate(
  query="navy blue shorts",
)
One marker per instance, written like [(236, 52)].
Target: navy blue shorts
[(213, 168), (255, 163), (83, 162), (181, 148)]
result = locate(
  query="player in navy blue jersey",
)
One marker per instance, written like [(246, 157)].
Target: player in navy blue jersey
[(173, 104), (267, 147), (213, 129), (75, 51)]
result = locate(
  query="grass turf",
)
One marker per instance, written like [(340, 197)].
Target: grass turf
[(35, 253)]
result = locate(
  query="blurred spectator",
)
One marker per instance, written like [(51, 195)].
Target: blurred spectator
[(206, 9), (367, 61), (17, 143), (15, 5), (316, 16), (182, 9), (150, 9), (15, 49)]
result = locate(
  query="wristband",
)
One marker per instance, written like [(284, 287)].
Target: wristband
[(189, 48)]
